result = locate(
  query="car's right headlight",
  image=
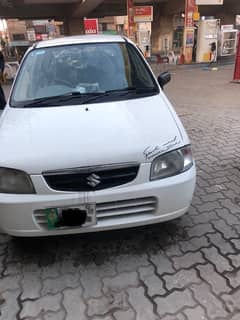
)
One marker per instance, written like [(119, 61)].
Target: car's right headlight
[(172, 163), (15, 182)]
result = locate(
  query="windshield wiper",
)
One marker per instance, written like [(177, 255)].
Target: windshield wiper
[(52, 99), (137, 89), (91, 96), (123, 91)]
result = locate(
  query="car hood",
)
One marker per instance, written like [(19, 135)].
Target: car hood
[(40, 139)]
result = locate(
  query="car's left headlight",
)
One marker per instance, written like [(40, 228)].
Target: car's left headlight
[(15, 182), (171, 163)]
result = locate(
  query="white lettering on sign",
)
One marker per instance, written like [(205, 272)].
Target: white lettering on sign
[(91, 31), (209, 2)]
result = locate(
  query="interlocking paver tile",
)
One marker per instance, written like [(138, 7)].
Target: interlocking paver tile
[(121, 281), (141, 304), (59, 315), (234, 278), (218, 241), (197, 313), (209, 206), (235, 260), (9, 283), (33, 308), (124, 315), (153, 282), (231, 218), (220, 262), (73, 304), (213, 306), (212, 197), (232, 301), (234, 208), (55, 285), (31, 285), (236, 243), (194, 244), (225, 229), (134, 262), (9, 307), (188, 260), (174, 302), (181, 279), (162, 263), (205, 217), (199, 230), (173, 249), (217, 282), (114, 301), (91, 279)]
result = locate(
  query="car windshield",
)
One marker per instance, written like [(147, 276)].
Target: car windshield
[(80, 71)]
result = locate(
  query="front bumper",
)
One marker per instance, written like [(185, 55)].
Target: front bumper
[(135, 204)]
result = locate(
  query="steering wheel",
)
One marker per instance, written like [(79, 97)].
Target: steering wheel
[(64, 82)]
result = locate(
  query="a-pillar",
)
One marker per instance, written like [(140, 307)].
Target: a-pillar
[(73, 26)]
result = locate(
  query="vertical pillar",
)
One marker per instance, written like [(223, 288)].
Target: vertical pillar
[(189, 30), (131, 24), (236, 76)]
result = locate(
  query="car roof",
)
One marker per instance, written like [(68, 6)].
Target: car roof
[(79, 40)]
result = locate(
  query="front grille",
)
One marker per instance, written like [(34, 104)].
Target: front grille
[(41, 218), (131, 207), (113, 209), (92, 178)]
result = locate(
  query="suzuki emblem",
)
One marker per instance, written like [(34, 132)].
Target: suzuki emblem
[(93, 180)]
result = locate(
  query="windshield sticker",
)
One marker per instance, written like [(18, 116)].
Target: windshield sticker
[(153, 151), (39, 52)]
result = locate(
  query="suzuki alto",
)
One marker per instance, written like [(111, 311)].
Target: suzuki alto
[(89, 142)]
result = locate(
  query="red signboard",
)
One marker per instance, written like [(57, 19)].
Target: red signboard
[(143, 13), (91, 26), (236, 76)]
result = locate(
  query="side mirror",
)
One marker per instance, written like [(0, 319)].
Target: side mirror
[(164, 78)]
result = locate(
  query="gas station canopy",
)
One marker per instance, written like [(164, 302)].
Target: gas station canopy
[(61, 9)]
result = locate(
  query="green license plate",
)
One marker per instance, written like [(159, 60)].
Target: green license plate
[(52, 218), (55, 218)]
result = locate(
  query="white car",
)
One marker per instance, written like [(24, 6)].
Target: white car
[(89, 142)]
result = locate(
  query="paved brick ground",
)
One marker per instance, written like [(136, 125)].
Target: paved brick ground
[(188, 269)]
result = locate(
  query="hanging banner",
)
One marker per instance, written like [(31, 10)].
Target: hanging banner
[(236, 76), (91, 26), (189, 37)]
